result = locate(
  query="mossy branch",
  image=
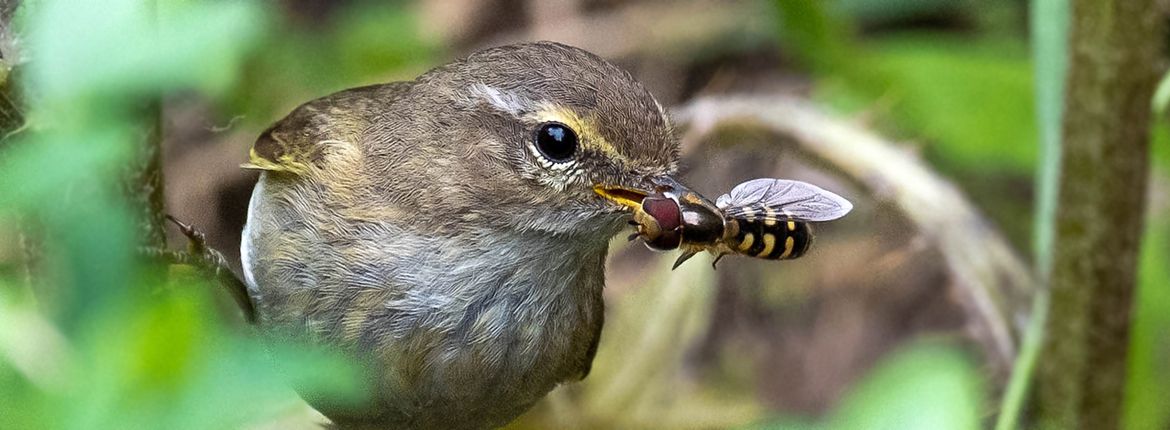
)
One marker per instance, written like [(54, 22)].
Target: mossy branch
[(1115, 61), (143, 180)]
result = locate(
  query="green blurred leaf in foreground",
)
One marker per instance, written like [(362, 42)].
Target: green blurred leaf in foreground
[(968, 101), (111, 48), (1147, 400), (359, 43), (105, 342), (1147, 397), (925, 387)]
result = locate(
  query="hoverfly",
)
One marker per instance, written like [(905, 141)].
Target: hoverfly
[(762, 218)]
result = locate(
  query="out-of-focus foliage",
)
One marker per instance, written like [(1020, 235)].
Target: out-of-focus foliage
[(99, 339), (969, 101), (1049, 53), (1162, 96), (938, 90), (102, 341), (360, 44), (1148, 395), (1049, 32), (923, 388), (966, 99)]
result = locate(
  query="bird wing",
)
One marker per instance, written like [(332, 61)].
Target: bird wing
[(298, 142)]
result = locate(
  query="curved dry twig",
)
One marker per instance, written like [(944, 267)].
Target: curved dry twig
[(997, 283)]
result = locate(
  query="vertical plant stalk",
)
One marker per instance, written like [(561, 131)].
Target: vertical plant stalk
[(143, 181), (12, 120), (1049, 23), (1049, 31), (1113, 68), (11, 103)]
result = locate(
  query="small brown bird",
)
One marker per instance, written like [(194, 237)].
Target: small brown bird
[(445, 232)]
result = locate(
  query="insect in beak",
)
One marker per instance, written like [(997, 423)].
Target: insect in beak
[(763, 218), (657, 215), (631, 198)]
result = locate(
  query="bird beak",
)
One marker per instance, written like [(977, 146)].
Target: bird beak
[(629, 198)]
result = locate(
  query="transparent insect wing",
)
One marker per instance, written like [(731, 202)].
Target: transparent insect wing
[(795, 199)]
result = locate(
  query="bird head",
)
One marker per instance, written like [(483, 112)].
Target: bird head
[(537, 137), (556, 139)]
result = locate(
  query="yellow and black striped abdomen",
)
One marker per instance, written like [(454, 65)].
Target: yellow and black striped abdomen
[(770, 238)]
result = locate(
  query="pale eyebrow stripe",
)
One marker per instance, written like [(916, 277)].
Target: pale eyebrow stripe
[(505, 101)]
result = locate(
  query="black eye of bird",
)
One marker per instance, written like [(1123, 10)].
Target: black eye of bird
[(556, 141)]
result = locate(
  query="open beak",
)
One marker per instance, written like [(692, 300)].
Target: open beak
[(629, 198)]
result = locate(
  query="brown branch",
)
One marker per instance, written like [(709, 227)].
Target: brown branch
[(209, 261), (1115, 57), (995, 282), (11, 103), (143, 180)]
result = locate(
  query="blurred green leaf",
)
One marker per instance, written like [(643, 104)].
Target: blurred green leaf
[(363, 43), (46, 169), (1162, 96), (139, 353), (927, 387), (809, 31), (31, 356), (64, 181), (90, 49), (967, 103), (970, 101), (1147, 400), (889, 10), (163, 363), (174, 367), (1147, 397), (1160, 145), (372, 41)]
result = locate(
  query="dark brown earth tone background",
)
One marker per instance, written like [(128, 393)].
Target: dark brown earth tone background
[(755, 338), (1005, 264)]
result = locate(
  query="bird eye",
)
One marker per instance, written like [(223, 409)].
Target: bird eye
[(556, 141)]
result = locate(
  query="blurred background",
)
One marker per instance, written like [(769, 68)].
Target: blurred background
[(908, 313)]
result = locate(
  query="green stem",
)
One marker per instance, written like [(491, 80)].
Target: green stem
[(1024, 366), (1050, 56), (1049, 24)]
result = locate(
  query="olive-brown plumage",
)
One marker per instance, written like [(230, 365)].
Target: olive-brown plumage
[(444, 232)]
